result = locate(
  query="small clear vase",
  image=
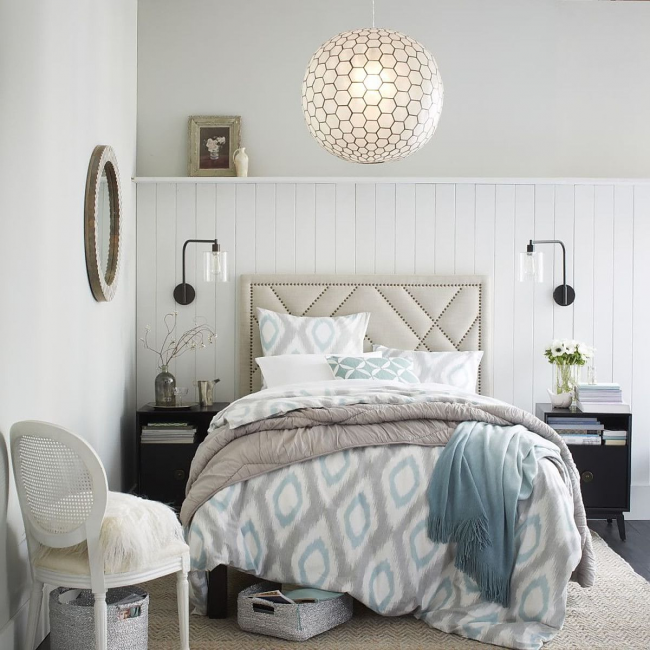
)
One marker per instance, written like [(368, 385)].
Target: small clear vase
[(165, 384), (567, 377)]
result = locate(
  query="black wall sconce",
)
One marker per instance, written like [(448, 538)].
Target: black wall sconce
[(215, 269), (531, 269)]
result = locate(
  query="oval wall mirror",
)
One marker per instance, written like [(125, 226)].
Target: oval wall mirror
[(102, 217)]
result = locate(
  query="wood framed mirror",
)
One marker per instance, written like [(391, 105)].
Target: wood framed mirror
[(102, 223)]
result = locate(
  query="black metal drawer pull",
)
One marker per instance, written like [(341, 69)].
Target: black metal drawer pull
[(587, 477), (179, 474)]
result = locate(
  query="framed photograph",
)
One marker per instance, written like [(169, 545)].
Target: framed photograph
[(213, 141)]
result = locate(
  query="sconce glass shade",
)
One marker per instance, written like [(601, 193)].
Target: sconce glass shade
[(215, 266), (372, 95), (531, 267)]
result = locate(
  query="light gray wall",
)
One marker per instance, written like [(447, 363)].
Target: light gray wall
[(540, 88), (67, 83)]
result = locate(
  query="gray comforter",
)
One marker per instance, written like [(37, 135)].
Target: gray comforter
[(273, 429)]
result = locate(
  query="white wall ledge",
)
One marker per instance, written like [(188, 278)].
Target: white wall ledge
[(391, 179)]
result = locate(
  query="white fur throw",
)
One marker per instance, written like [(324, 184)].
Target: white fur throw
[(135, 533)]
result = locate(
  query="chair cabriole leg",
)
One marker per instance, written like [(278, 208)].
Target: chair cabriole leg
[(35, 600), (101, 622), (182, 595)]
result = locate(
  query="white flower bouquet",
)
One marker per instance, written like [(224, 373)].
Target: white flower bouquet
[(567, 356), (568, 352)]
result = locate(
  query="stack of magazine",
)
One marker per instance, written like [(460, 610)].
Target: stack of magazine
[(577, 431), (615, 438), (296, 596), (603, 398), (167, 433)]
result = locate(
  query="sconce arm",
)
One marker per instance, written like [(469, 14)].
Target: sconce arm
[(196, 241), (534, 242)]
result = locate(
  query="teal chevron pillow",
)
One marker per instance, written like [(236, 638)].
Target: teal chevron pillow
[(396, 369)]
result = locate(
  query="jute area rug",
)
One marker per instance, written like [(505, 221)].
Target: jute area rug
[(612, 615)]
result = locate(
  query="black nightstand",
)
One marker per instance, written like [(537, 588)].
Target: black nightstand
[(163, 469), (604, 470)]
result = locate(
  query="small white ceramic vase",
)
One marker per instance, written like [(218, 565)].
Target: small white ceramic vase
[(561, 401), (240, 158)]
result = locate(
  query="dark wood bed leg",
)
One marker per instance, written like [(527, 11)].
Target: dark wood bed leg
[(218, 592)]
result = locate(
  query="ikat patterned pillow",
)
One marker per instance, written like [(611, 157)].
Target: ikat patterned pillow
[(458, 369), (287, 334), (397, 369)]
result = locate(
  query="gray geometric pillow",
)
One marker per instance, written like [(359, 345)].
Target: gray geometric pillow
[(373, 368), (287, 334)]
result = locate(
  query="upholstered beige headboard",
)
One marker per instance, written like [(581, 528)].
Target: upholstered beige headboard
[(410, 312)]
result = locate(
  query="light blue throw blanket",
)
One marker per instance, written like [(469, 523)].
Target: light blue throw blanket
[(477, 482)]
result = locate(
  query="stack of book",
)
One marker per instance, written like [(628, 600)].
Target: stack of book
[(601, 397), (577, 431), (167, 433), (615, 438)]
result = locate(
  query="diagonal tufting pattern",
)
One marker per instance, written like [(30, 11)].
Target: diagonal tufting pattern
[(431, 313)]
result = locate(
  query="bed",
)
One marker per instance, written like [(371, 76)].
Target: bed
[(319, 485)]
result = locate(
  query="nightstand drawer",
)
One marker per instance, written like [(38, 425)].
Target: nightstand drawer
[(164, 470), (603, 475)]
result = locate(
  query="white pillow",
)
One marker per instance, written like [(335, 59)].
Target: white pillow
[(286, 369), (458, 369), (287, 334)]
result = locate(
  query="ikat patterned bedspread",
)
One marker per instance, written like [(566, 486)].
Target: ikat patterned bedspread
[(325, 484), (355, 521)]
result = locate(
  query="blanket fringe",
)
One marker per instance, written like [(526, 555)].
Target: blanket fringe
[(472, 536)]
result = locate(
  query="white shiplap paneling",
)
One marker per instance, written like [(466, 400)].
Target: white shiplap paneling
[(414, 226), (206, 301), (504, 291), (522, 312), (543, 292), (306, 228), (345, 228), (365, 228), (385, 224), (405, 228), (445, 233), (425, 228), (325, 228)]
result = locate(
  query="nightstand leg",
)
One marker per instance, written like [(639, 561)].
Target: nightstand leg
[(620, 520)]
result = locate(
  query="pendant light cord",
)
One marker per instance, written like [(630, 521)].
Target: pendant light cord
[(373, 14)]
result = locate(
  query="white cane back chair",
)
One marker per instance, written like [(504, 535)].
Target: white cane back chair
[(63, 492)]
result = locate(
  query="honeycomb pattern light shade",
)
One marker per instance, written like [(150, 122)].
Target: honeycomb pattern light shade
[(372, 95)]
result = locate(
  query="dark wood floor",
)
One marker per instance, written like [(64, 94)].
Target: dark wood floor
[(635, 550)]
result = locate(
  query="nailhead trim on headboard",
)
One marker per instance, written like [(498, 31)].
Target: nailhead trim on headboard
[(250, 332)]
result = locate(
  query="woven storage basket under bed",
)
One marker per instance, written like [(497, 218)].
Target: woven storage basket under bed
[(72, 625), (291, 622)]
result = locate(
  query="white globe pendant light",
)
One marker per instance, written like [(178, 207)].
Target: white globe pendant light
[(372, 95)]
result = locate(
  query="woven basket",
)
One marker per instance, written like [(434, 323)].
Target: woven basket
[(72, 625), (291, 622)]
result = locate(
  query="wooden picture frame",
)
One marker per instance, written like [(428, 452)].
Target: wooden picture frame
[(212, 142)]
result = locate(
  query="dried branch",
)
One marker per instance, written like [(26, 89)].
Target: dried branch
[(193, 338)]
